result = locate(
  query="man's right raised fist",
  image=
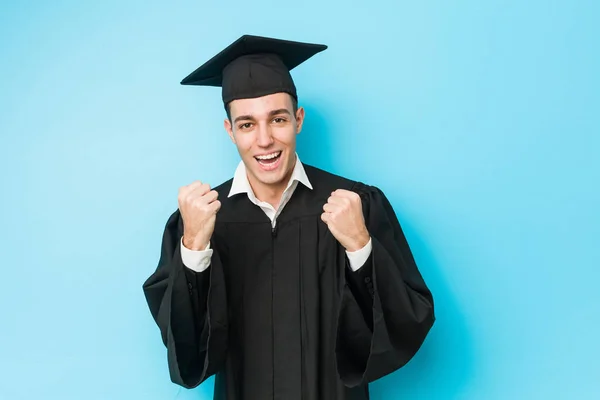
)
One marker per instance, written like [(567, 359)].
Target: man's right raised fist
[(198, 206)]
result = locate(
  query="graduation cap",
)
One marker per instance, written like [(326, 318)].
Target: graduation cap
[(254, 66)]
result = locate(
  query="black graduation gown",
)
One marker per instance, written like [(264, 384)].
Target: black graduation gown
[(279, 314)]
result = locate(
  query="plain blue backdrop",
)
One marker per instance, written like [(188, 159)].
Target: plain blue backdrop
[(479, 120)]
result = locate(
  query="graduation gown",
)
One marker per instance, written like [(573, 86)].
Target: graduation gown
[(279, 314)]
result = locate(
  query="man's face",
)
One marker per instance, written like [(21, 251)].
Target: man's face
[(264, 130)]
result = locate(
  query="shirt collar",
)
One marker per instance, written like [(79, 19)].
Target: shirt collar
[(241, 184)]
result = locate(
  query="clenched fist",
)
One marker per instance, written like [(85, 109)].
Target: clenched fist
[(344, 218), (198, 206)]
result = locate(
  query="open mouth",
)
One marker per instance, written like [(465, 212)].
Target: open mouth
[(269, 161)]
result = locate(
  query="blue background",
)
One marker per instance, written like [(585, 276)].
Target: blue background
[(479, 120)]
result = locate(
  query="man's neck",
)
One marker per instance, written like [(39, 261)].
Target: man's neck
[(270, 193)]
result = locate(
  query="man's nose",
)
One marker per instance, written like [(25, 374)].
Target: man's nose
[(265, 138)]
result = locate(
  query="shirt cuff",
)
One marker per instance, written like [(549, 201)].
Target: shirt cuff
[(196, 260), (358, 258)]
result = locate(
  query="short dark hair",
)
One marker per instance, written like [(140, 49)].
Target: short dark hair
[(294, 107)]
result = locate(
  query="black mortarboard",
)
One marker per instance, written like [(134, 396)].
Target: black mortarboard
[(253, 66)]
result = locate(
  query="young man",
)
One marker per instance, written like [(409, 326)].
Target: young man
[(287, 282)]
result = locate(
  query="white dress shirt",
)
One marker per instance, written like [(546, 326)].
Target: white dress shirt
[(200, 260)]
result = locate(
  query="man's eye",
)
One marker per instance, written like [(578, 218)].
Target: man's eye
[(246, 125), (279, 120)]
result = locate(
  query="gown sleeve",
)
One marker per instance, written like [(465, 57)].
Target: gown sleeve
[(190, 311), (386, 309)]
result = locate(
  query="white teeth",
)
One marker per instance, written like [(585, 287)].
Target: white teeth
[(269, 156)]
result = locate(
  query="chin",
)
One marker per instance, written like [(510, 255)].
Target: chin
[(271, 178)]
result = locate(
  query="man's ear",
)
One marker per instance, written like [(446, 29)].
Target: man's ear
[(229, 129), (299, 118)]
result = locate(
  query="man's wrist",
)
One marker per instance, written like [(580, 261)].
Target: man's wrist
[(360, 243), (194, 244)]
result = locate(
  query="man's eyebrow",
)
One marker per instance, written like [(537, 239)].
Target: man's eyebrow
[(280, 111), (271, 113), (243, 117)]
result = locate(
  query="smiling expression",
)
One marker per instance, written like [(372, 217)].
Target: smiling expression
[(264, 131)]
